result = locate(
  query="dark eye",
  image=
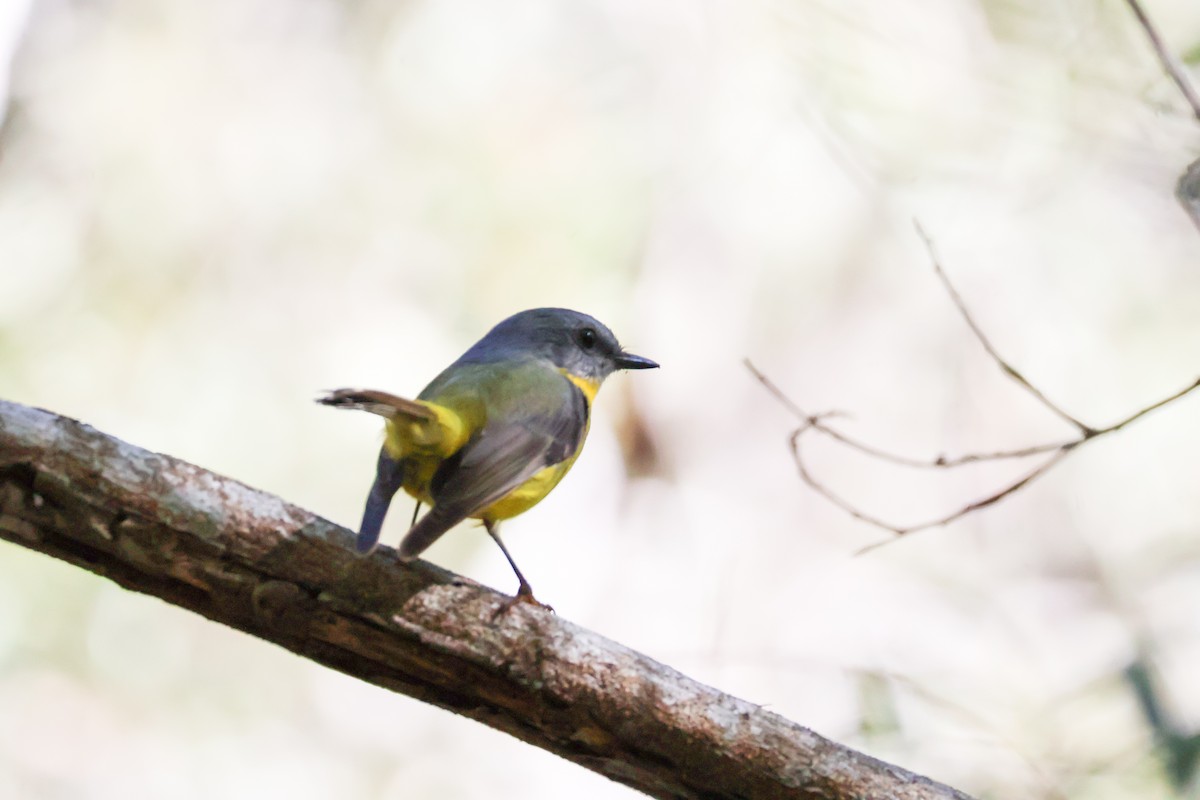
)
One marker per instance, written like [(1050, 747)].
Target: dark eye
[(587, 338)]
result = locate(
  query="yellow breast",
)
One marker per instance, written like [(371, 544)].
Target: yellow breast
[(529, 493)]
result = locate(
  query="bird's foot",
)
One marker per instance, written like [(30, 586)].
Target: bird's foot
[(523, 595)]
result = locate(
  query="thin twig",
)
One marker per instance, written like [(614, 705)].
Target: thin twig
[(817, 422), (969, 508), (1187, 189), (1152, 407), (938, 462), (1008, 368), (1057, 450), (1169, 63)]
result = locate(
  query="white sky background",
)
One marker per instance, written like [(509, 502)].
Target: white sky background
[(211, 211)]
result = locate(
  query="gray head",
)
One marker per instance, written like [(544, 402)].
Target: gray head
[(575, 342)]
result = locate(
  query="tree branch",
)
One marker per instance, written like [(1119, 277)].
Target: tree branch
[(1187, 189), (1008, 368), (1054, 451), (247, 559), (1169, 63)]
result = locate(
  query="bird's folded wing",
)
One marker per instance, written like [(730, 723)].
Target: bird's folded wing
[(499, 459)]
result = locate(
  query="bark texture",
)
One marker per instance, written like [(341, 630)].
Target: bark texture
[(244, 558)]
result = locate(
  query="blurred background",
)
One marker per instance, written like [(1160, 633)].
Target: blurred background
[(211, 211)]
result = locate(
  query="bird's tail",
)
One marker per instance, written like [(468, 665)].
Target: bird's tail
[(388, 406), (414, 426), (389, 476)]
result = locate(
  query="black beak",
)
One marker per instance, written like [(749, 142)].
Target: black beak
[(630, 361)]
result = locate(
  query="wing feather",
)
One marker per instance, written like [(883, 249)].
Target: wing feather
[(500, 458)]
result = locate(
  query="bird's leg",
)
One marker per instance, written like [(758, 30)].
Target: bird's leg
[(416, 510), (525, 592)]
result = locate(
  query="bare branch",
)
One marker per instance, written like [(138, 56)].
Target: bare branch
[(1187, 189), (969, 508), (249, 560), (1170, 64), (1008, 368), (1057, 451), (1135, 416), (817, 422)]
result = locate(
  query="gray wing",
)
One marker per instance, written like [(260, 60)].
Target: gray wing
[(499, 459)]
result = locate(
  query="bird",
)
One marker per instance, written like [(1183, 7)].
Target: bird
[(494, 433)]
